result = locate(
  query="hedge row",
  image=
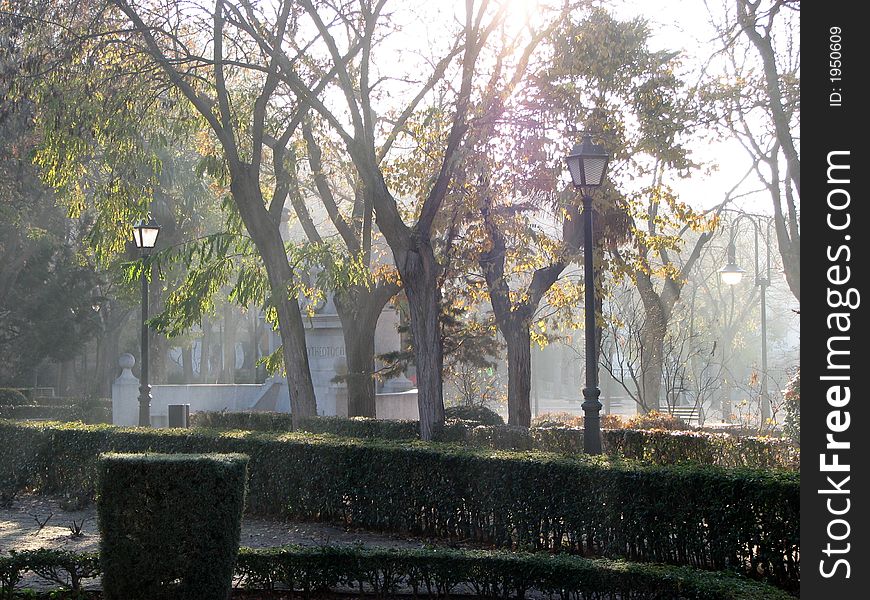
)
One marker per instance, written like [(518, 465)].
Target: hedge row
[(61, 567), (88, 414), (428, 573), (658, 447), (701, 516), (248, 421), (673, 447), (89, 402)]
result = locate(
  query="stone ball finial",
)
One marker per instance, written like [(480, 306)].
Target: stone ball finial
[(126, 361)]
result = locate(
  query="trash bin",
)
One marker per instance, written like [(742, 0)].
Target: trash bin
[(178, 415)]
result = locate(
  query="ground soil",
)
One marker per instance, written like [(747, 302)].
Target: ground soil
[(31, 522)]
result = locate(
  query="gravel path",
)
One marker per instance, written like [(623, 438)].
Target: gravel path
[(20, 529)]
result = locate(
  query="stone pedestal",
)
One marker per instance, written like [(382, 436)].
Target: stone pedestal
[(326, 359), (125, 394), (399, 406)]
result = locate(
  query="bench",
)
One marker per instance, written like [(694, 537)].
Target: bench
[(691, 415)]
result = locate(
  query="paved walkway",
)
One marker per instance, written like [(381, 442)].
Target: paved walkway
[(32, 522)]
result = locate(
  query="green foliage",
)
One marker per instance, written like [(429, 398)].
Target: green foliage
[(687, 514), (357, 427), (362, 427), (12, 397), (228, 263), (481, 415), (436, 573), (47, 304), (61, 567), (248, 421), (467, 341), (169, 524), (555, 433), (100, 124), (792, 397), (673, 447), (89, 410)]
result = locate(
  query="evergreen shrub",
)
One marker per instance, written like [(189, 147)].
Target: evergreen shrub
[(481, 415), (247, 420), (428, 573), (361, 427), (169, 524)]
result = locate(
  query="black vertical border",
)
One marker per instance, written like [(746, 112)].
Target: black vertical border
[(826, 128)]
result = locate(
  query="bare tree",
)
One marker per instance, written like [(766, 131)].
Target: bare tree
[(761, 107)]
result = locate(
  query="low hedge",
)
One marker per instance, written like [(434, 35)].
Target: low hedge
[(169, 524), (89, 410), (701, 516), (665, 447), (362, 427), (61, 567), (438, 573), (429, 573), (49, 413), (249, 421), (655, 446)]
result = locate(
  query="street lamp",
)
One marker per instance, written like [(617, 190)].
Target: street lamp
[(587, 165), (145, 236), (731, 274)]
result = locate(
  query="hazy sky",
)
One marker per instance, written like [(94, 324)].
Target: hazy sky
[(685, 25)]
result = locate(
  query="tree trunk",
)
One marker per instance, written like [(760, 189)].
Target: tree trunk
[(159, 348), (519, 362), (651, 365), (205, 350), (359, 346), (266, 235), (110, 351), (187, 362), (419, 274), (359, 343), (359, 309), (228, 343)]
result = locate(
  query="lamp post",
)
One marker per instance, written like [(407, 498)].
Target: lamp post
[(587, 165), (732, 274), (145, 236)]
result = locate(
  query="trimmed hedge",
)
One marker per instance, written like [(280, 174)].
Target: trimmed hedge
[(700, 516), (438, 573), (654, 446), (429, 573), (89, 410), (666, 447), (249, 421), (33, 412), (169, 524), (362, 427)]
